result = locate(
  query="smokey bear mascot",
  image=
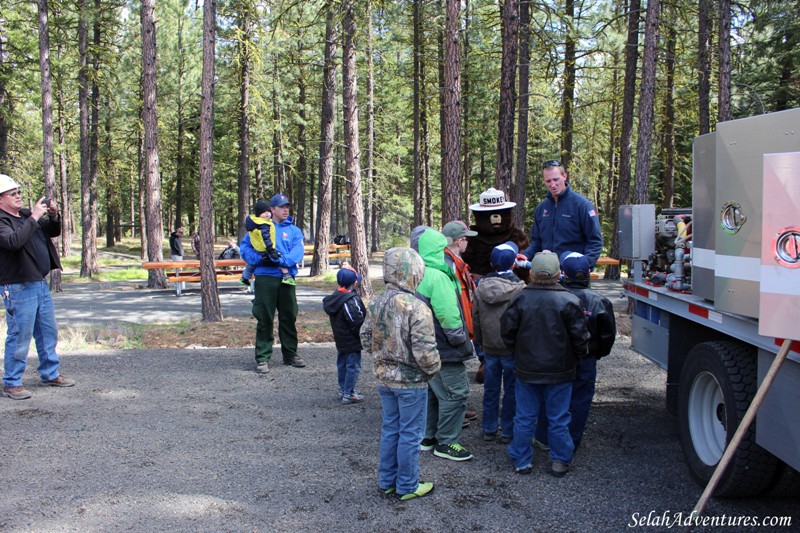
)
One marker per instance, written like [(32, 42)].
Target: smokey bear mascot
[(494, 226)]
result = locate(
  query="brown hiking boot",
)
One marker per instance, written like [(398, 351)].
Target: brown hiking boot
[(60, 381), (16, 393)]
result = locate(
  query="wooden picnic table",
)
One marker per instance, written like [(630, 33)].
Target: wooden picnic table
[(188, 271)]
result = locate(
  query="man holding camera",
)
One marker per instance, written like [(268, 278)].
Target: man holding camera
[(27, 255)]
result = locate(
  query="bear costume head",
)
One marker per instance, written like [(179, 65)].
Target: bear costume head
[(494, 225)]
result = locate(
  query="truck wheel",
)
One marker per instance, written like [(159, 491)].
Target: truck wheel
[(718, 381)]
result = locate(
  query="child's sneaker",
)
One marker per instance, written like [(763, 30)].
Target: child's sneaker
[(352, 398), (289, 280), (427, 444), (454, 452), (244, 281), (424, 487)]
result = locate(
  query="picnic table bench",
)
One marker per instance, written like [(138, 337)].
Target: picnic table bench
[(188, 271)]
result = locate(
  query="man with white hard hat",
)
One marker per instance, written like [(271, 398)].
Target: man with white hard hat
[(27, 254)]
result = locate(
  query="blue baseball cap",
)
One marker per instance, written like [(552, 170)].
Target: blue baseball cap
[(279, 200), (575, 266), (347, 277)]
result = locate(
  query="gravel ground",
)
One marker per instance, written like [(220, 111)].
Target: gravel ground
[(194, 440)]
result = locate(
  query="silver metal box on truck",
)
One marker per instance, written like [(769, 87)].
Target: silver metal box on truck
[(704, 216), (740, 146)]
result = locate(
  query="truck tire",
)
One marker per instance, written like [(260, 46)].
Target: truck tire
[(718, 382)]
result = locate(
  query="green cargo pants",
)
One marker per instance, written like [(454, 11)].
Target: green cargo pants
[(272, 295)]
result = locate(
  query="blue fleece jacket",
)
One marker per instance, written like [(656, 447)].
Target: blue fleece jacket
[(568, 223), (288, 241)]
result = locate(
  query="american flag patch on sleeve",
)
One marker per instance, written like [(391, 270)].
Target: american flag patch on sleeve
[(592, 213)]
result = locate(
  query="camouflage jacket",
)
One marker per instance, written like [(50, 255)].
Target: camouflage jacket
[(398, 330)]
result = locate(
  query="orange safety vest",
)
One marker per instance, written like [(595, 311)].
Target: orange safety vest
[(467, 288)]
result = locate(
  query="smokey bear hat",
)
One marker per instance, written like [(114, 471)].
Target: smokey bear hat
[(492, 200)]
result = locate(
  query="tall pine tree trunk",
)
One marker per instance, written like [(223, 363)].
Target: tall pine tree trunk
[(724, 79), (245, 53), (152, 177), (644, 143), (371, 174), (88, 228), (66, 211), (451, 92), (212, 312), (626, 129), (505, 122), (703, 66), (355, 209), (319, 264), (519, 188), (568, 94), (48, 156), (418, 81), (669, 116)]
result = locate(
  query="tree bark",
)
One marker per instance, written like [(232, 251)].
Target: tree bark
[(568, 94), (89, 229), (724, 80), (212, 311), (451, 92), (519, 188), (626, 128), (505, 122), (319, 264), (245, 52), (355, 210), (641, 191), (418, 81), (152, 178), (669, 117), (5, 101), (703, 66), (48, 156), (302, 162), (66, 210), (371, 219)]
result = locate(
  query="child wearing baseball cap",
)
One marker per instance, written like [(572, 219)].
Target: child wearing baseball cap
[(346, 312)]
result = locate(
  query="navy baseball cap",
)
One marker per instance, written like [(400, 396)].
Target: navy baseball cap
[(279, 200), (347, 277), (575, 266)]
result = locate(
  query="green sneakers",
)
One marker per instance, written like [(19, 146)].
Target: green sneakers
[(454, 452), (289, 280), (424, 488)]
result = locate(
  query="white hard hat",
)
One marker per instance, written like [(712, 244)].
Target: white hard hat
[(6, 183)]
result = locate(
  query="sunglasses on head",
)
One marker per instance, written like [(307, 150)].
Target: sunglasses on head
[(550, 164)]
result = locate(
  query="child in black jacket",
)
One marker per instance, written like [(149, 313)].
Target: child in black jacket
[(603, 330), (347, 312)]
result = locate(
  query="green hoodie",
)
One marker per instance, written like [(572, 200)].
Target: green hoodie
[(440, 287)]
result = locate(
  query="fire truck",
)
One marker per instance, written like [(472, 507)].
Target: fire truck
[(715, 290)]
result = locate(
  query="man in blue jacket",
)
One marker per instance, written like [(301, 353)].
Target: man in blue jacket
[(270, 293), (564, 221)]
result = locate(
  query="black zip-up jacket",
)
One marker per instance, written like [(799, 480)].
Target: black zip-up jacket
[(346, 311), (17, 262), (545, 328), (599, 318), (175, 244)]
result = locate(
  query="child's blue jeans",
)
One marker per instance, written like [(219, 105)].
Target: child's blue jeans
[(349, 368)]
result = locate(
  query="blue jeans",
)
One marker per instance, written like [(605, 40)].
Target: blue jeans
[(498, 370), (248, 272), (582, 395), (556, 402), (403, 420), (349, 367), (29, 313)]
